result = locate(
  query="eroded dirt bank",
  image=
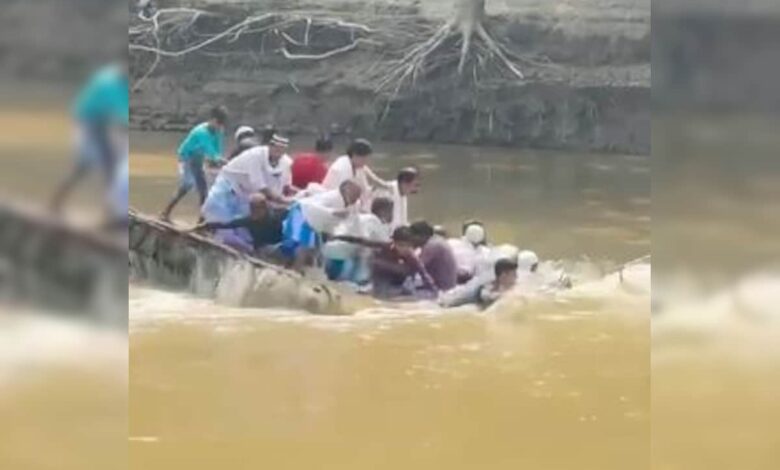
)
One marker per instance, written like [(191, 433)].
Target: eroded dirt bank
[(584, 88)]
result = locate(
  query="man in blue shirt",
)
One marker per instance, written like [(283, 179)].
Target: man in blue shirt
[(101, 112), (203, 144)]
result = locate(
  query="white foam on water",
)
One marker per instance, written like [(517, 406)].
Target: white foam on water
[(742, 319), (149, 306), (32, 342)]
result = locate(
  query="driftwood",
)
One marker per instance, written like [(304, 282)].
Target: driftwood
[(56, 265), (162, 253)]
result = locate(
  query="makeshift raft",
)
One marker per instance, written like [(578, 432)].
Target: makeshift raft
[(58, 265), (163, 254)]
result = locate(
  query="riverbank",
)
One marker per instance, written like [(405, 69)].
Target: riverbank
[(586, 85)]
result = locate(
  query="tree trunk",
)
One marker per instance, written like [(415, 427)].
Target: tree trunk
[(469, 13), (468, 16)]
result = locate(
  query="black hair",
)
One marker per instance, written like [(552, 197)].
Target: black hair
[(422, 229), (381, 204), (402, 234), (219, 114), (407, 175), (505, 266), (267, 134), (323, 144), (360, 148)]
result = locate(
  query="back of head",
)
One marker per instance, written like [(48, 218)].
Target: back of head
[(219, 114), (505, 251), (382, 205), (244, 132), (324, 144), (257, 200), (351, 191), (475, 234), (360, 148), (527, 260), (505, 265), (267, 134), (402, 235), (422, 229)]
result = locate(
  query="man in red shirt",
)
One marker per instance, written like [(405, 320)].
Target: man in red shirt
[(311, 167)]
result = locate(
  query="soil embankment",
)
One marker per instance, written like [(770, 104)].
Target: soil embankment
[(586, 87)]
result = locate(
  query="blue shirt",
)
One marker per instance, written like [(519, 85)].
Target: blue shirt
[(202, 142), (104, 99)]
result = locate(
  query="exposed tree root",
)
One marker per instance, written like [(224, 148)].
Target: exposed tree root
[(403, 58)]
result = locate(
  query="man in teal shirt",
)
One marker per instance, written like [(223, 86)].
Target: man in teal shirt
[(203, 144), (101, 112)]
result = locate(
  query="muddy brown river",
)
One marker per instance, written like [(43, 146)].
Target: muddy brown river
[(214, 386), (560, 383)]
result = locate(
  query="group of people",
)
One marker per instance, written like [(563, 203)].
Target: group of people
[(339, 215)]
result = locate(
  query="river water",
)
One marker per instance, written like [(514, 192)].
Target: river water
[(558, 382)]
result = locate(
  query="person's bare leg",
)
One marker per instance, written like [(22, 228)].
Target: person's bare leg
[(67, 186), (177, 197)]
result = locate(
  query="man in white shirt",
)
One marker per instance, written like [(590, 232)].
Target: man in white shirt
[(407, 182), (354, 166), (312, 216), (249, 173), (469, 250), (345, 261), (280, 177)]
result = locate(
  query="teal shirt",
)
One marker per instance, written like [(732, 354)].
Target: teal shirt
[(201, 143), (105, 99)]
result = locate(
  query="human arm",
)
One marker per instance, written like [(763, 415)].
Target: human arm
[(237, 223), (488, 295), (213, 149), (276, 200), (360, 241), (419, 268), (387, 266), (374, 179)]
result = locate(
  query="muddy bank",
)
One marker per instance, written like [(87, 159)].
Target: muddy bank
[(586, 89)]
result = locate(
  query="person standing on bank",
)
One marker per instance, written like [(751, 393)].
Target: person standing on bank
[(203, 144)]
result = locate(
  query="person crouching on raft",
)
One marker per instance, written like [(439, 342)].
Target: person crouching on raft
[(469, 249), (345, 261), (251, 234), (313, 216), (244, 139), (436, 255), (203, 143), (243, 176), (394, 265)]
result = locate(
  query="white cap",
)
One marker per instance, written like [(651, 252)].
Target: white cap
[(505, 252), (242, 131), (280, 141), (474, 234), (526, 260)]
